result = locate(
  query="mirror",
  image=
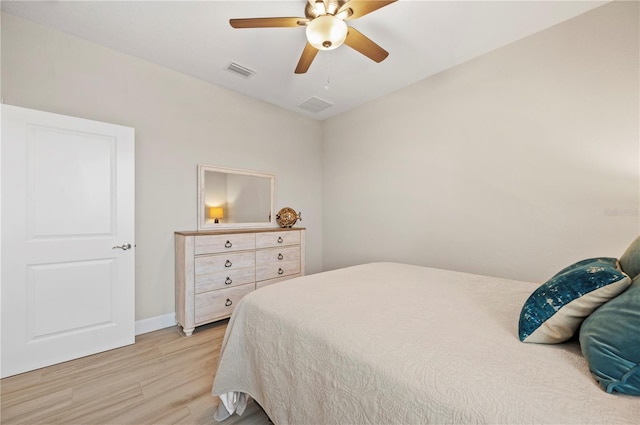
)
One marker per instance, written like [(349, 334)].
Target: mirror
[(230, 198)]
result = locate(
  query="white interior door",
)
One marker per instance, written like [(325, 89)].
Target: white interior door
[(67, 201)]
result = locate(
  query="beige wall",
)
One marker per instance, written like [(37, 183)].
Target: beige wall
[(513, 164), (180, 122)]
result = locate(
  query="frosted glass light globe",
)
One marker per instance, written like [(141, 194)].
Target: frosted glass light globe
[(326, 32)]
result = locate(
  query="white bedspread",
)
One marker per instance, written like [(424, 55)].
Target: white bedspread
[(388, 343)]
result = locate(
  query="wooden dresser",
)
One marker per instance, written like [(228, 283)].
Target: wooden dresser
[(214, 269)]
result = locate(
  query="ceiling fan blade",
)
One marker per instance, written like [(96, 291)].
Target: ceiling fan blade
[(308, 54), (359, 8), (360, 42), (267, 22)]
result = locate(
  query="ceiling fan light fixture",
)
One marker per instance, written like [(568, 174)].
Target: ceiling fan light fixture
[(326, 32)]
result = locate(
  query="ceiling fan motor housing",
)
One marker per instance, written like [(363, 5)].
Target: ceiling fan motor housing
[(314, 10)]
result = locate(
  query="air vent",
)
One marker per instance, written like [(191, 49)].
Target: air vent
[(240, 70), (314, 104)]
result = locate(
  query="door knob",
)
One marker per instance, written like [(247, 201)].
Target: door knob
[(123, 247)]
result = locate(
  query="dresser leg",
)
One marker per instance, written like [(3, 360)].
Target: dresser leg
[(188, 332)]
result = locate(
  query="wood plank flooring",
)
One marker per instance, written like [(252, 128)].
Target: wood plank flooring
[(164, 378)]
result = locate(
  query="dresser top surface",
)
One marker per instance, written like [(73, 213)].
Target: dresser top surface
[(235, 231)]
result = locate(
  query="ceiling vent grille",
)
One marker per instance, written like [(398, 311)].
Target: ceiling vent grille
[(240, 70), (314, 104)]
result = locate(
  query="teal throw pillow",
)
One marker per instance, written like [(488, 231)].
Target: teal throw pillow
[(610, 341), (630, 260), (554, 312)]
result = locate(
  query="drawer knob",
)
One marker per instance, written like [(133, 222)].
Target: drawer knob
[(228, 264), (228, 281), (280, 240), (280, 271), (280, 256), (228, 244), (228, 302)]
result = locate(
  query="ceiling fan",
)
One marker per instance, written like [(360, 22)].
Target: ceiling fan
[(326, 28)]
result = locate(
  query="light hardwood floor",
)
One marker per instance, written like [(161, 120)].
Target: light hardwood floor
[(164, 378)]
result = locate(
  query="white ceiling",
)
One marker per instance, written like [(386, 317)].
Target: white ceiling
[(194, 37)]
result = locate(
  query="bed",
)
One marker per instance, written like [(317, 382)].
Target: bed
[(388, 343)]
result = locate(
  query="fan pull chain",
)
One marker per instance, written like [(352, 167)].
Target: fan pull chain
[(326, 86)]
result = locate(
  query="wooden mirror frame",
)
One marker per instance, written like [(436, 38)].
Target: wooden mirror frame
[(205, 223)]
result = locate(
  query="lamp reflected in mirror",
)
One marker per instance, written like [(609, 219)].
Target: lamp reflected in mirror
[(216, 213)]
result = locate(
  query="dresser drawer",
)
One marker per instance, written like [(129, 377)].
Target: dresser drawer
[(274, 256), (218, 304), (273, 239), (273, 270), (215, 271), (226, 279), (213, 244)]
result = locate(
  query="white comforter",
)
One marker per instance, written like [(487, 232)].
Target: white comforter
[(388, 343)]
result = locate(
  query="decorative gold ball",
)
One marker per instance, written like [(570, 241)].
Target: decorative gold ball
[(287, 217)]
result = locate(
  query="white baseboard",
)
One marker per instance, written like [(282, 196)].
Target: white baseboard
[(154, 323)]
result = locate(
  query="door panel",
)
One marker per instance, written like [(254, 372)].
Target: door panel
[(83, 290), (67, 200), (70, 171)]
